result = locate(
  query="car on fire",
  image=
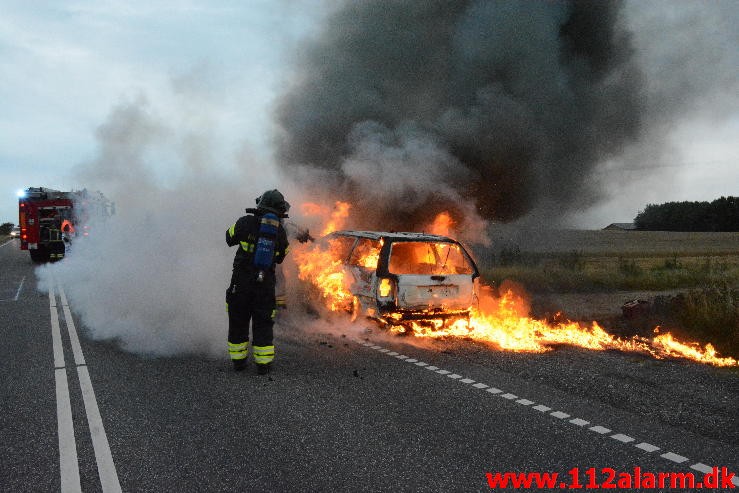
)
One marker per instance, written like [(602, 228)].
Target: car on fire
[(395, 278)]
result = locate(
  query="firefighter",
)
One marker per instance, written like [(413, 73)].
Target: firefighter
[(251, 295)]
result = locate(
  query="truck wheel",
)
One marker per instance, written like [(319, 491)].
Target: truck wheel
[(39, 255)]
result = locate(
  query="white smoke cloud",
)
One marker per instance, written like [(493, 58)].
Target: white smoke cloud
[(153, 277)]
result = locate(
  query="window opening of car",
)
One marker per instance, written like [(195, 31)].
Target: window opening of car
[(339, 247), (428, 258), (366, 254)]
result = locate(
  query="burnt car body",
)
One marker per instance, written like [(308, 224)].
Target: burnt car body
[(397, 277)]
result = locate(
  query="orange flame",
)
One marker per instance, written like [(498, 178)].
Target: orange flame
[(502, 321), (509, 330), (334, 219), (323, 267), (443, 224)]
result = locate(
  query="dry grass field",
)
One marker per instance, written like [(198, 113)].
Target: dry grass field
[(588, 261), (617, 243)]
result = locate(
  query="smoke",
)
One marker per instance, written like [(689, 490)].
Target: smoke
[(153, 276), (488, 109), (505, 109), (507, 106), (688, 54)]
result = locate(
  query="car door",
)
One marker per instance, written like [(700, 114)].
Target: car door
[(362, 267)]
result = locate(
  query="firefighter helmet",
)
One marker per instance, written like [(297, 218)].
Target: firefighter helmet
[(273, 201)]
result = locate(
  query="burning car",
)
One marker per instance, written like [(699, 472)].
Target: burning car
[(399, 277)]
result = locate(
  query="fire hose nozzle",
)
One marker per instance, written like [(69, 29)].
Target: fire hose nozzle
[(305, 237)]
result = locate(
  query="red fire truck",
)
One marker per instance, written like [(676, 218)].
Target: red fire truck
[(49, 219)]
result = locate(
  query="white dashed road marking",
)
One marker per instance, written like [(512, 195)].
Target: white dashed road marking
[(647, 447), (619, 437), (702, 468), (560, 415), (674, 457), (622, 438)]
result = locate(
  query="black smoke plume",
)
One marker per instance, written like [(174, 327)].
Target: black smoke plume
[(492, 109)]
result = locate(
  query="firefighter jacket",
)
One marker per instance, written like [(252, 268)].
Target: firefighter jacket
[(245, 233)]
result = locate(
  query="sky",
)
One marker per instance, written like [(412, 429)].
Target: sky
[(213, 71)]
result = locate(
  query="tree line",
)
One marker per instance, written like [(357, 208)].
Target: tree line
[(720, 215)]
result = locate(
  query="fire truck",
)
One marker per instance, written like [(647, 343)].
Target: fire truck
[(50, 219)]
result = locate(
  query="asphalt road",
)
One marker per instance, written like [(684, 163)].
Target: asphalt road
[(344, 411)]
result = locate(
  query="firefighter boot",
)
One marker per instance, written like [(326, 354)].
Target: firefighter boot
[(239, 364), (264, 368)]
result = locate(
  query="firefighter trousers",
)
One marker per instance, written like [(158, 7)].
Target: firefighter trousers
[(250, 303)]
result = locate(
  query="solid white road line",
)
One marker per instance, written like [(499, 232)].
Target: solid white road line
[(79, 358), (56, 335), (106, 467), (18, 293), (68, 466)]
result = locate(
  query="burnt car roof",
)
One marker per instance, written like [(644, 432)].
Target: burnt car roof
[(394, 236)]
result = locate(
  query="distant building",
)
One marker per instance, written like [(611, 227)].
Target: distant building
[(620, 227)]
